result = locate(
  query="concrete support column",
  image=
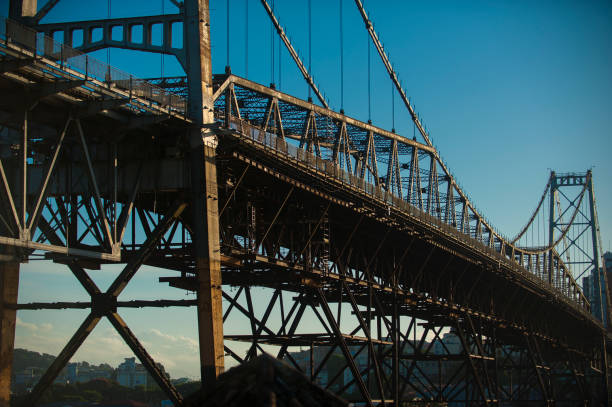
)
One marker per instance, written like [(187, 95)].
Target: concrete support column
[(210, 306), (204, 203), (9, 284)]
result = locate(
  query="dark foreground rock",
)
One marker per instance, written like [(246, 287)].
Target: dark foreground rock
[(264, 381)]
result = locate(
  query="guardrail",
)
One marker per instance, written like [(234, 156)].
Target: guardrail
[(14, 33)]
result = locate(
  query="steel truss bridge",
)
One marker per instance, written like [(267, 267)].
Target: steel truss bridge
[(359, 229)]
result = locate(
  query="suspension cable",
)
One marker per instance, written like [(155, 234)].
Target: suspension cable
[(227, 37), (246, 39), (539, 221), (392, 108), (309, 44), (108, 9), (571, 221), (369, 83), (272, 48), (161, 55), (280, 59), (307, 76), (341, 61), (391, 72), (533, 215)]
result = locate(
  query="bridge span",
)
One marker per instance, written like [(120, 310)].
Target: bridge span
[(371, 255)]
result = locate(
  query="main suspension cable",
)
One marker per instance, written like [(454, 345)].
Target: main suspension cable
[(533, 215), (391, 72), (307, 76)]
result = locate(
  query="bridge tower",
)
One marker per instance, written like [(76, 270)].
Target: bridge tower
[(583, 256), (573, 221)]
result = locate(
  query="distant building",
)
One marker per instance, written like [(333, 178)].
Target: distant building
[(302, 358), (131, 374), (590, 288), (84, 372), (27, 376), (450, 344)]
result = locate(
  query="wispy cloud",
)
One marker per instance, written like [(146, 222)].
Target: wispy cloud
[(31, 327), (189, 342)]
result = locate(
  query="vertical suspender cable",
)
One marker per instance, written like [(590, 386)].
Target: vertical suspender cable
[(369, 83), (392, 107), (228, 35), (532, 244), (161, 55), (246, 39), (341, 61), (301, 66), (108, 6), (392, 74), (309, 44), (272, 48), (279, 62)]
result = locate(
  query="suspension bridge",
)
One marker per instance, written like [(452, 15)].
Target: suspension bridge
[(228, 183)]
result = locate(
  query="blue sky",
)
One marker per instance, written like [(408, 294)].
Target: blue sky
[(508, 90)]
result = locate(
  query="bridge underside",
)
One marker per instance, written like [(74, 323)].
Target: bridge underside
[(368, 288)]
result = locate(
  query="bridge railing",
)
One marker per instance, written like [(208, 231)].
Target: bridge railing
[(15, 34), (276, 145)]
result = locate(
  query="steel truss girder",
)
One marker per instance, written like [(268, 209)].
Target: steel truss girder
[(352, 147), (481, 353)]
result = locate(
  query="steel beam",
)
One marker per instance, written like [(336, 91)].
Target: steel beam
[(126, 41), (144, 357)]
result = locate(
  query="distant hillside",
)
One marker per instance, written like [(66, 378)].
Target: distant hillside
[(23, 359), (105, 391)]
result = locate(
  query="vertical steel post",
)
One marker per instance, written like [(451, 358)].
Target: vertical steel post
[(9, 271), (9, 284), (602, 279), (600, 268), (551, 223), (205, 230)]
